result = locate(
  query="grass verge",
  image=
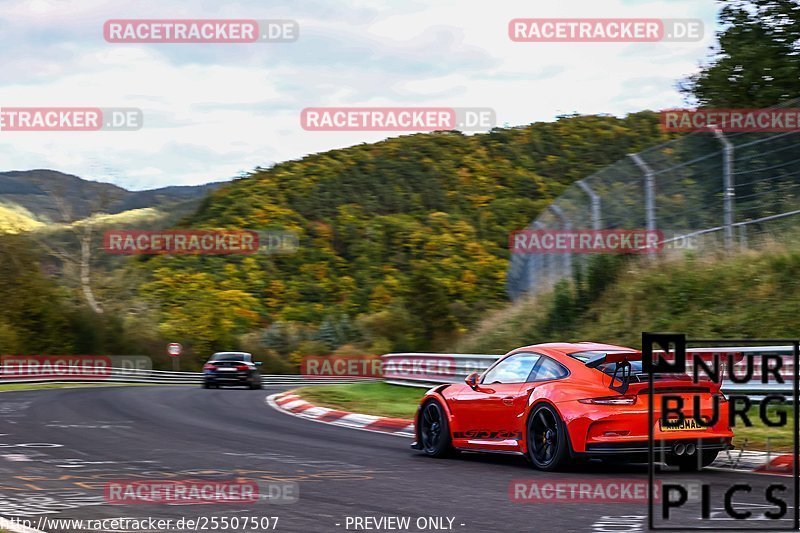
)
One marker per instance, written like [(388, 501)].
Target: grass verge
[(381, 399), (378, 399), (762, 437)]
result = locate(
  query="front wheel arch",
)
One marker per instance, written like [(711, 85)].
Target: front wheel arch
[(442, 445)]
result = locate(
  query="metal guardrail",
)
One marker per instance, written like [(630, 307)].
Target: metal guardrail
[(157, 377), (431, 369)]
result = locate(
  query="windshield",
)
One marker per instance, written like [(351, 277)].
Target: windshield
[(231, 356)]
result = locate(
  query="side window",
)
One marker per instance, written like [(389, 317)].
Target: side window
[(547, 369), (514, 369)]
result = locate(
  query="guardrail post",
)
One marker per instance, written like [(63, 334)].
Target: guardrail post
[(729, 192), (557, 211)]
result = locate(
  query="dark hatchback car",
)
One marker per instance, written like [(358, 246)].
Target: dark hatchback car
[(231, 368)]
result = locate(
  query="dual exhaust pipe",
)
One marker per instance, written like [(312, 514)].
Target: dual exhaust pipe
[(684, 449)]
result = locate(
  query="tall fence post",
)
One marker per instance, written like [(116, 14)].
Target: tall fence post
[(597, 219), (729, 192), (557, 211), (546, 260), (649, 193)]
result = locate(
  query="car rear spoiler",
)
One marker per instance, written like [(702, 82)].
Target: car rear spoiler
[(622, 370)]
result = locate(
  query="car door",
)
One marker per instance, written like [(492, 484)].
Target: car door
[(485, 417)]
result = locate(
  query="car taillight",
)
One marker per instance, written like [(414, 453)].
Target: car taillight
[(611, 400), (241, 367), (209, 366)]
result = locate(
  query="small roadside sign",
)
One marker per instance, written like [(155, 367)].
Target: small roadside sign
[(174, 349)]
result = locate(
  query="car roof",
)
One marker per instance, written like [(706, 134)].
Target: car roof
[(232, 353), (572, 347)]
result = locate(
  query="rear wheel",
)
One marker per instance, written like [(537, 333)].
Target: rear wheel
[(547, 439), (206, 385), (434, 431), (694, 462)]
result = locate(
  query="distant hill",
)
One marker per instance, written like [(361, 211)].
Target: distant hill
[(52, 196)]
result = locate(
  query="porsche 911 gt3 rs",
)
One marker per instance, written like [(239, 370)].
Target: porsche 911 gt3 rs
[(561, 402)]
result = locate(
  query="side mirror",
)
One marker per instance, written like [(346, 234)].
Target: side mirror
[(472, 380), (259, 363)]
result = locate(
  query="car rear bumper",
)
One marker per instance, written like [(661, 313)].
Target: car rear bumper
[(659, 446), (227, 378), (606, 428)]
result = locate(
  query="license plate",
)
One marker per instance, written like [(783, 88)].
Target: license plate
[(688, 424), (226, 369)]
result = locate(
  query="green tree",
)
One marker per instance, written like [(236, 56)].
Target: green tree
[(757, 60)]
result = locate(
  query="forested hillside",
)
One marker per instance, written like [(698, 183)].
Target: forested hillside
[(403, 243)]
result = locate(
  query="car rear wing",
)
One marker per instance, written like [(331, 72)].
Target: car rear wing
[(621, 377), (622, 370)]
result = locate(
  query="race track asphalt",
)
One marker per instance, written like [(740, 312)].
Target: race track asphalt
[(59, 448)]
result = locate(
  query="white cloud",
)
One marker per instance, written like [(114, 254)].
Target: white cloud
[(214, 111)]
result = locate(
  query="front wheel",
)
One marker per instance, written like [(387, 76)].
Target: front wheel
[(434, 431), (547, 439)]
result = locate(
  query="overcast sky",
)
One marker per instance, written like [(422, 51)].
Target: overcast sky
[(214, 111)]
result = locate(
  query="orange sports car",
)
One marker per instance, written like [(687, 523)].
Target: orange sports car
[(561, 402)]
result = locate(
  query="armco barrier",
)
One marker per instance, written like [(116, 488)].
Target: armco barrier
[(431, 369), (161, 377)]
